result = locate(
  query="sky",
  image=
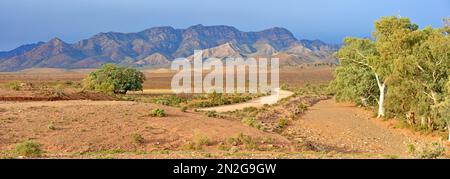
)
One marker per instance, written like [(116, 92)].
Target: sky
[(30, 21)]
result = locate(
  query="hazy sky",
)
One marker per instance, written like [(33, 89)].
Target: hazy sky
[(29, 21)]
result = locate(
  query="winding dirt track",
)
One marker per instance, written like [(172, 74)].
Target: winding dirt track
[(258, 102), (342, 127)]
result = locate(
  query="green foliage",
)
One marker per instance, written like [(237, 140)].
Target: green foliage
[(51, 126), (170, 100), (14, 85), (251, 121), (113, 79), (158, 113), (28, 149), (282, 122), (184, 109), (441, 111), (413, 63), (427, 151), (419, 76), (199, 141), (212, 114), (224, 147), (218, 99), (354, 79), (249, 142), (302, 107)]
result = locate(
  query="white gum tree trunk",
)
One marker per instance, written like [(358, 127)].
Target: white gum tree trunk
[(382, 87)]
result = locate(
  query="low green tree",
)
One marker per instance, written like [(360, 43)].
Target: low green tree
[(112, 79)]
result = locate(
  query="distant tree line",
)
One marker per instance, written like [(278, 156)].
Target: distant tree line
[(402, 70)]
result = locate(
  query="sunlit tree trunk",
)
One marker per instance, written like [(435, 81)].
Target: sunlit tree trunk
[(448, 128), (382, 87)]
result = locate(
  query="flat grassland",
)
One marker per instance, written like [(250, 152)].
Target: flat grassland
[(160, 78)]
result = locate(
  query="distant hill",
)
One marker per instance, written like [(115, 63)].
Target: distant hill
[(159, 45)]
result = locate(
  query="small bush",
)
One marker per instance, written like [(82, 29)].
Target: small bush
[(218, 99), (242, 139), (51, 126), (14, 85), (250, 121), (301, 108), (138, 139), (158, 113), (57, 91), (198, 143), (282, 122), (28, 149), (191, 146), (212, 114), (184, 109), (224, 147), (203, 141), (433, 151), (171, 100), (411, 149)]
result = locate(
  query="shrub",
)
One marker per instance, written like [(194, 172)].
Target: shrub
[(250, 121), (158, 113), (242, 139), (198, 143), (51, 126), (218, 99), (138, 139), (427, 151), (184, 109), (191, 146), (302, 107), (57, 91), (163, 102), (223, 147), (111, 78), (212, 114), (411, 149), (201, 140), (171, 100), (282, 122), (14, 85), (29, 149)]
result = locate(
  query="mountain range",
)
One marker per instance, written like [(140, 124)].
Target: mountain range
[(159, 45)]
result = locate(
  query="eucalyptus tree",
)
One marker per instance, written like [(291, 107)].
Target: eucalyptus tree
[(355, 79)]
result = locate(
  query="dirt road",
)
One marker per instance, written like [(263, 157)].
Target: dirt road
[(342, 127), (258, 102)]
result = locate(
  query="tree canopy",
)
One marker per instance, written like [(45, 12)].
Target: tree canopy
[(112, 79), (410, 67)]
